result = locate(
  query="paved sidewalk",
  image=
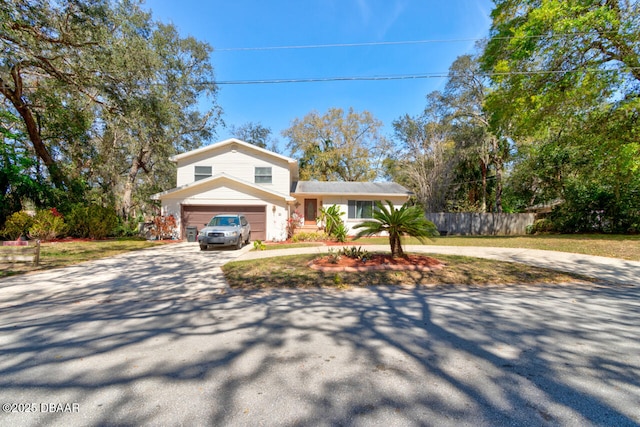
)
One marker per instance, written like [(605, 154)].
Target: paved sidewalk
[(612, 270)]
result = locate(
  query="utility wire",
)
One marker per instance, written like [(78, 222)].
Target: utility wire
[(322, 46), (412, 76), (331, 79), (404, 42)]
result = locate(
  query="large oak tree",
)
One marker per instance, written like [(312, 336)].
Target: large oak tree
[(338, 145), (566, 78), (105, 94)]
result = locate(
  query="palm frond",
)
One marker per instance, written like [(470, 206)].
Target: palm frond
[(407, 220)]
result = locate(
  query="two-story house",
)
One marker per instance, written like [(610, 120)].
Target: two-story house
[(235, 176)]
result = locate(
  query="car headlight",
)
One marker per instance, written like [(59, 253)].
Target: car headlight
[(201, 233), (232, 233)]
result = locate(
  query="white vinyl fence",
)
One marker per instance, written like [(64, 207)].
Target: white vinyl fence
[(481, 224)]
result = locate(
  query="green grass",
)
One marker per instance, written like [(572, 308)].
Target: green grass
[(60, 254), (275, 246), (293, 272), (613, 246)]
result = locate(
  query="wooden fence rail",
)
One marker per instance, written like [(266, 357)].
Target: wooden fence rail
[(20, 251)]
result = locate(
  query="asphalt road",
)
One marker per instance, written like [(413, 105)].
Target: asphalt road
[(153, 338)]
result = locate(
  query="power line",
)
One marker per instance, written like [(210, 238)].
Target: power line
[(331, 79), (437, 75), (403, 42), (332, 45)]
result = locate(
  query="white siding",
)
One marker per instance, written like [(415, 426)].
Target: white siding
[(343, 203), (240, 162)]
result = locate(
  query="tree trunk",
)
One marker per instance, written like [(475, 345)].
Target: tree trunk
[(129, 186), (15, 97), (499, 168), (498, 161), (483, 200), (396, 245)]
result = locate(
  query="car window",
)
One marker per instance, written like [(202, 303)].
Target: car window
[(221, 221), (244, 221)]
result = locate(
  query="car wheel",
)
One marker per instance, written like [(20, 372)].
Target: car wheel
[(203, 247), (239, 244), (246, 242)]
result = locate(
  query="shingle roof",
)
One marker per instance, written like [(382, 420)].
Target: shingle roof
[(364, 188)]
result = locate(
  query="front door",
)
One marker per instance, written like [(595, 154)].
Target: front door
[(310, 211)]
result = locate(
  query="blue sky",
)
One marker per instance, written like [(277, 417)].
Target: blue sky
[(237, 24)]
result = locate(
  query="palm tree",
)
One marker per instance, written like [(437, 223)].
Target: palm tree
[(408, 220)]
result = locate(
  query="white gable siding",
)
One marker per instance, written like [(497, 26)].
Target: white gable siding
[(237, 161)]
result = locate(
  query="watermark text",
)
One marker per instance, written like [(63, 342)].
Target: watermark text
[(43, 407)]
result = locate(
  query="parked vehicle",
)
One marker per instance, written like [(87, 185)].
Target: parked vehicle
[(225, 230)]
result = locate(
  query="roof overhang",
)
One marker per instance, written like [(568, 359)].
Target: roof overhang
[(379, 190)]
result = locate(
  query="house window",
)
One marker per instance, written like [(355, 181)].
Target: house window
[(361, 209), (202, 172), (263, 175)]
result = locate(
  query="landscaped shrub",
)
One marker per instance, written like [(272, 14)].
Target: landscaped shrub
[(356, 253), (333, 256), (47, 225), (258, 245), (17, 225), (598, 207), (309, 237), (340, 232), (128, 227), (93, 221), (78, 221), (164, 227), (541, 226), (102, 221), (331, 219), (293, 223)]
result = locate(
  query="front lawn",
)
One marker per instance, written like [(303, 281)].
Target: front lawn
[(613, 246), (63, 253), (293, 272)]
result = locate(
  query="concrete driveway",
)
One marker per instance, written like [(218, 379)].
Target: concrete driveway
[(152, 339)]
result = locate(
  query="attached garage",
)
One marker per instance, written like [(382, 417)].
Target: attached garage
[(198, 215), (194, 204)]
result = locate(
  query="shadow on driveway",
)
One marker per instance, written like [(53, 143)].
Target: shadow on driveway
[(167, 351)]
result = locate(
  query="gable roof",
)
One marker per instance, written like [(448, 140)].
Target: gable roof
[(230, 141), (204, 183), (349, 188)]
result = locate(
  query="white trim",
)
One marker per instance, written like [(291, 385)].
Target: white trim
[(217, 145)]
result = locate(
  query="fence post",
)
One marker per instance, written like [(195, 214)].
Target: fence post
[(36, 258)]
